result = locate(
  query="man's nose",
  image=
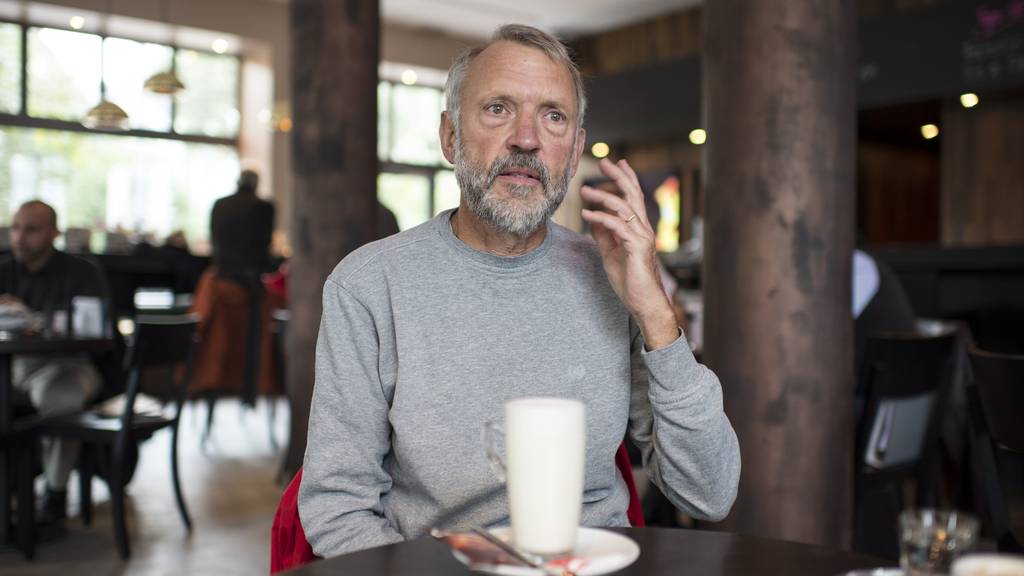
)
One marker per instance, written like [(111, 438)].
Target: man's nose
[(524, 135)]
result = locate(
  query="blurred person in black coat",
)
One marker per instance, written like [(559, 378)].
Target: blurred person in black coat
[(241, 227)]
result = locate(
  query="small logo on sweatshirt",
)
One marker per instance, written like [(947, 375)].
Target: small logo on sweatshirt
[(577, 372)]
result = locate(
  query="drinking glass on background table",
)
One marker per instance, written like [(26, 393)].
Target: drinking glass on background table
[(931, 539), (545, 440)]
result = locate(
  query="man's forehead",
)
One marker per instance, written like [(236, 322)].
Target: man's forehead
[(505, 65), (33, 214)]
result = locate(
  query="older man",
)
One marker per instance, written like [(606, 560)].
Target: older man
[(44, 279), (427, 333)]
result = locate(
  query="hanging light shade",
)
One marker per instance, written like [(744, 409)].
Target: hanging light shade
[(164, 83), (106, 116)]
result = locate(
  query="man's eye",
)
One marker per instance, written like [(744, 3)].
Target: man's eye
[(496, 108), (556, 116)]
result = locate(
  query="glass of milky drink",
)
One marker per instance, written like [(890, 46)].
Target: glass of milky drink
[(930, 540), (543, 467)]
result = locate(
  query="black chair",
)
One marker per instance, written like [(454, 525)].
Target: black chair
[(903, 385), (254, 329), (18, 470), (162, 341), (996, 399)]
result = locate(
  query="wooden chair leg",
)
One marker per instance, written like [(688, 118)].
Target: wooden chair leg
[(117, 506), (211, 402), (176, 478), (271, 420), (26, 503), (7, 464), (86, 471)]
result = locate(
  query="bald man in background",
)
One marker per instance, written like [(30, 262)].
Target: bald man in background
[(43, 279)]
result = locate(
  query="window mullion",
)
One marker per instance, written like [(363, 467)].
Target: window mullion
[(174, 97), (24, 72)]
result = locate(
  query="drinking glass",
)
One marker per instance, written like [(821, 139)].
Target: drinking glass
[(931, 539), (545, 443)]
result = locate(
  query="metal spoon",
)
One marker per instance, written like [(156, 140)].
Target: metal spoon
[(524, 557)]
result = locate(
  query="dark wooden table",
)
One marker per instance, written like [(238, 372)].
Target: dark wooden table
[(663, 551), (12, 343)]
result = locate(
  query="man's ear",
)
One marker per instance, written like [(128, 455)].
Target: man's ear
[(581, 141), (447, 133)]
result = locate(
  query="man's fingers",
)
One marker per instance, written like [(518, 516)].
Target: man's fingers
[(624, 165), (608, 200), (626, 232), (624, 177)]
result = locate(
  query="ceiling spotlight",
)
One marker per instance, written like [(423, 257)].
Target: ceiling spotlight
[(599, 150), (76, 22), (929, 131), (220, 46), (969, 100), (698, 136), (408, 77)]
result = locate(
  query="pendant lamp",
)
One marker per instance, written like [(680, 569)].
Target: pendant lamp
[(106, 115), (164, 82)]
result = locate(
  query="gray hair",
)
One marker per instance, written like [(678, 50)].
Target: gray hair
[(520, 34)]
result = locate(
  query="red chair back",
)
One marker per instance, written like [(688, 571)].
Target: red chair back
[(289, 547)]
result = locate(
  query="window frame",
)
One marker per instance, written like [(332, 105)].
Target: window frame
[(387, 166), (23, 120)]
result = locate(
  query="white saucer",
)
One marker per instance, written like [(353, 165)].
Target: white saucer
[(597, 552)]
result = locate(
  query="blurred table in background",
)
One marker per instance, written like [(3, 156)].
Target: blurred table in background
[(11, 344)]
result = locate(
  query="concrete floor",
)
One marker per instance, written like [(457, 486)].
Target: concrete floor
[(230, 489)]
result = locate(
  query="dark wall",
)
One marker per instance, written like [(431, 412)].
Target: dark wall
[(950, 48), (931, 52)]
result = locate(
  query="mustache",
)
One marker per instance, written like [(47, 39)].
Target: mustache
[(522, 160)]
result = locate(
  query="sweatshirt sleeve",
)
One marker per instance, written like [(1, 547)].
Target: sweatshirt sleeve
[(349, 435), (677, 420)]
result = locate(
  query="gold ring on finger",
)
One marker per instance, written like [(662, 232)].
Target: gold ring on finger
[(630, 219)]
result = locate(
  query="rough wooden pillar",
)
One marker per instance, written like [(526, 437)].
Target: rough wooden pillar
[(779, 98), (335, 55)]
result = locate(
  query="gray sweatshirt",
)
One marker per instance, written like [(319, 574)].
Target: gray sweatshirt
[(423, 339)]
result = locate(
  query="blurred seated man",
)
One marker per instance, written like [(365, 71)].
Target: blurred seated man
[(45, 280), (426, 333)]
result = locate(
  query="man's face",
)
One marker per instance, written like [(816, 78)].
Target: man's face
[(517, 145), (32, 234)]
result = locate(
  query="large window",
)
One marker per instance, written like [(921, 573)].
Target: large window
[(163, 174), (63, 73), (126, 66), (415, 180), (210, 104), (115, 183)]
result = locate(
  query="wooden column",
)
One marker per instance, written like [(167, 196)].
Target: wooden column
[(779, 106), (335, 54)]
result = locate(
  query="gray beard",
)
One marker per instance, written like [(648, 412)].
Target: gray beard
[(516, 216)]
